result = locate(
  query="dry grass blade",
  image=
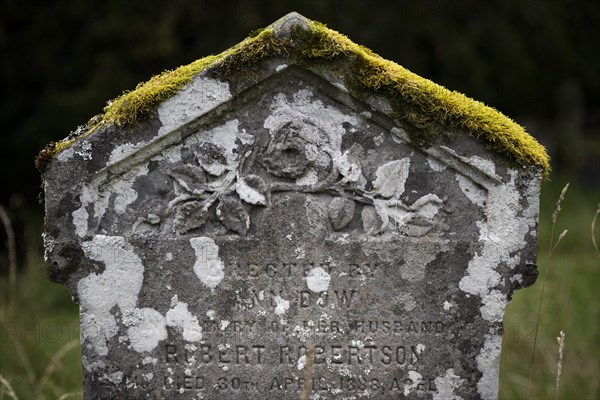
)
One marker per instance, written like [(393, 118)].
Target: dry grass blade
[(12, 253), (8, 387), (550, 251), (594, 230), (560, 237), (72, 394), (26, 363), (558, 202), (561, 353), (53, 364)]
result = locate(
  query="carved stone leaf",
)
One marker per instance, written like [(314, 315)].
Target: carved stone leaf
[(252, 189), (390, 178), (191, 215), (233, 215), (394, 211), (427, 206), (350, 167), (191, 178), (341, 212), (373, 222)]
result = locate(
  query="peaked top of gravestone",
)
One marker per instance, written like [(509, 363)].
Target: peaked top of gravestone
[(421, 106)]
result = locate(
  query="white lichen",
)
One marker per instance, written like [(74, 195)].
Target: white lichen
[(196, 99), (180, 317), (146, 333), (475, 193), (301, 362), (447, 305), (502, 234), (488, 362), (445, 386), (208, 266), (318, 280), (118, 285), (415, 379), (282, 305)]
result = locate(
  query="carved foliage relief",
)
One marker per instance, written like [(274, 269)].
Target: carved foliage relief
[(217, 180)]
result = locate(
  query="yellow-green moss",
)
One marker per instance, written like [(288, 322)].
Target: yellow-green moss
[(135, 105), (424, 103), (140, 102), (417, 101)]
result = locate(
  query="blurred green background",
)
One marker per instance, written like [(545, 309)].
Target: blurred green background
[(536, 61)]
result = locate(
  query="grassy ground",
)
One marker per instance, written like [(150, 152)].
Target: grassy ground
[(571, 303), (40, 357), (39, 339)]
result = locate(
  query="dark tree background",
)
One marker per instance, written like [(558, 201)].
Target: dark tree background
[(61, 61)]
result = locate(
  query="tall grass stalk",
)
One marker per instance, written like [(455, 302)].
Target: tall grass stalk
[(594, 230), (54, 364), (561, 353), (6, 384), (69, 395), (12, 255), (25, 362), (552, 248)]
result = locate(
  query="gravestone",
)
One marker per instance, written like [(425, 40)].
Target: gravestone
[(299, 218)]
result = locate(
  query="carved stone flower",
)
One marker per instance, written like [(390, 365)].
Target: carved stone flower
[(295, 151), (286, 157)]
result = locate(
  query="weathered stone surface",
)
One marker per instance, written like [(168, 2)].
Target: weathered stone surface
[(283, 239)]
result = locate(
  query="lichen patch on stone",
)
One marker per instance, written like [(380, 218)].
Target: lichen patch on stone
[(488, 362), (180, 317), (318, 280), (445, 386), (118, 285), (146, 333), (203, 93), (208, 266)]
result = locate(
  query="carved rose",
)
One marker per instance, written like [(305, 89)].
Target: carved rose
[(293, 152)]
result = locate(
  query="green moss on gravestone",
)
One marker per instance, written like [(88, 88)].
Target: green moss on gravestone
[(417, 102), (422, 103), (133, 106)]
